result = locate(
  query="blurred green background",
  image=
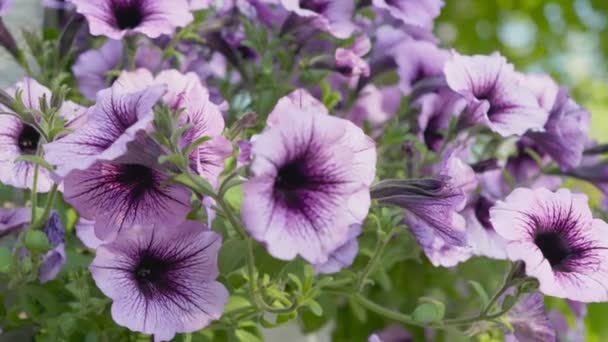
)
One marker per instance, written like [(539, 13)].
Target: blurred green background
[(567, 39)]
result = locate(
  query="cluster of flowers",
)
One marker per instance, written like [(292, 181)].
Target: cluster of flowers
[(310, 173)]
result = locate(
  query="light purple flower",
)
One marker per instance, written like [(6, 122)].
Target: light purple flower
[(432, 209), (374, 106), (342, 257), (311, 177), (57, 4), (392, 333), (54, 260), (481, 235), (436, 112), (199, 4), (127, 191), (326, 15), (92, 67), (562, 245), (13, 219), (5, 5), (110, 125), (412, 12), (20, 139), (496, 96), (530, 321), (416, 61), (244, 157), (85, 231), (543, 87), (349, 61), (565, 132), (161, 278), (117, 18), (185, 91)]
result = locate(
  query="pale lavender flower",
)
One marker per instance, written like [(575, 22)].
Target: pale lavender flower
[(12, 220), (117, 18), (481, 236), (349, 61), (496, 96), (5, 5), (530, 321), (412, 12), (326, 15), (200, 4), (543, 87), (565, 133), (560, 242), (375, 106), (244, 157), (20, 139), (85, 231), (161, 278), (416, 61), (392, 333), (342, 257), (311, 178)]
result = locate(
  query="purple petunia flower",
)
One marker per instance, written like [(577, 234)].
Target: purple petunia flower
[(342, 257), (374, 106), (161, 278), (436, 112), (311, 177), (199, 4), (481, 236), (117, 18), (543, 87), (496, 96), (416, 61), (92, 67), (412, 12), (5, 5), (54, 260), (326, 15), (13, 219), (185, 91), (562, 245), (530, 321), (432, 209), (20, 139), (565, 132), (392, 333), (349, 61), (110, 125), (127, 191), (85, 231)]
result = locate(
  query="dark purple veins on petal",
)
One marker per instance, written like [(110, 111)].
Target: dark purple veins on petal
[(317, 6), (290, 179), (139, 179), (28, 140), (152, 274), (128, 14)]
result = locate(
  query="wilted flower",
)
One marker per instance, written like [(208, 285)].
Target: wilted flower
[(342, 257), (54, 260), (565, 132), (496, 96), (412, 12), (20, 139), (161, 278), (326, 15), (117, 18), (110, 125), (13, 219), (310, 184), (562, 245), (530, 321)]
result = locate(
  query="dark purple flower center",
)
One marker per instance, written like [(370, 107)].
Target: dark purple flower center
[(28, 140), (317, 6), (482, 212), (152, 275), (555, 249), (138, 179), (128, 14), (433, 137), (290, 179)]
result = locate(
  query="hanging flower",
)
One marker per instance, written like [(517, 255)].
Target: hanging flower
[(530, 321), (562, 245), (412, 12), (20, 139), (54, 260), (12, 220), (326, 15), (161, 278), (117, 18), (311, 178)]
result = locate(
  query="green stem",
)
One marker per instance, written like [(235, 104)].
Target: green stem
[(378, 251), (34, 194), (47, 208)]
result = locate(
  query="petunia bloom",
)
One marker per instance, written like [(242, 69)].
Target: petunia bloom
[(110, 125), (20, 139), (349, 61), (530, 321), (416, 61), (117, 18), (342, 257), (565, 132), (326, 15), (186, 92), (12, 220), (412, 12), (496, 96), (54, 260), (311, 177), (127, 191), (161, 278), (481, 235), (5, 5), (561, 244)]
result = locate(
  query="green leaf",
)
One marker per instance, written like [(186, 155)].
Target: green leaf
[(195, 183), (232, 255), (246, 336), (429, 312), (6, 259), (481, 292), (36, 160), (315, 307), (198, 142), (236, 302)]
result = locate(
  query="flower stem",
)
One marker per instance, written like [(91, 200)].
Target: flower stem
[(34, 194), (378, 251)]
